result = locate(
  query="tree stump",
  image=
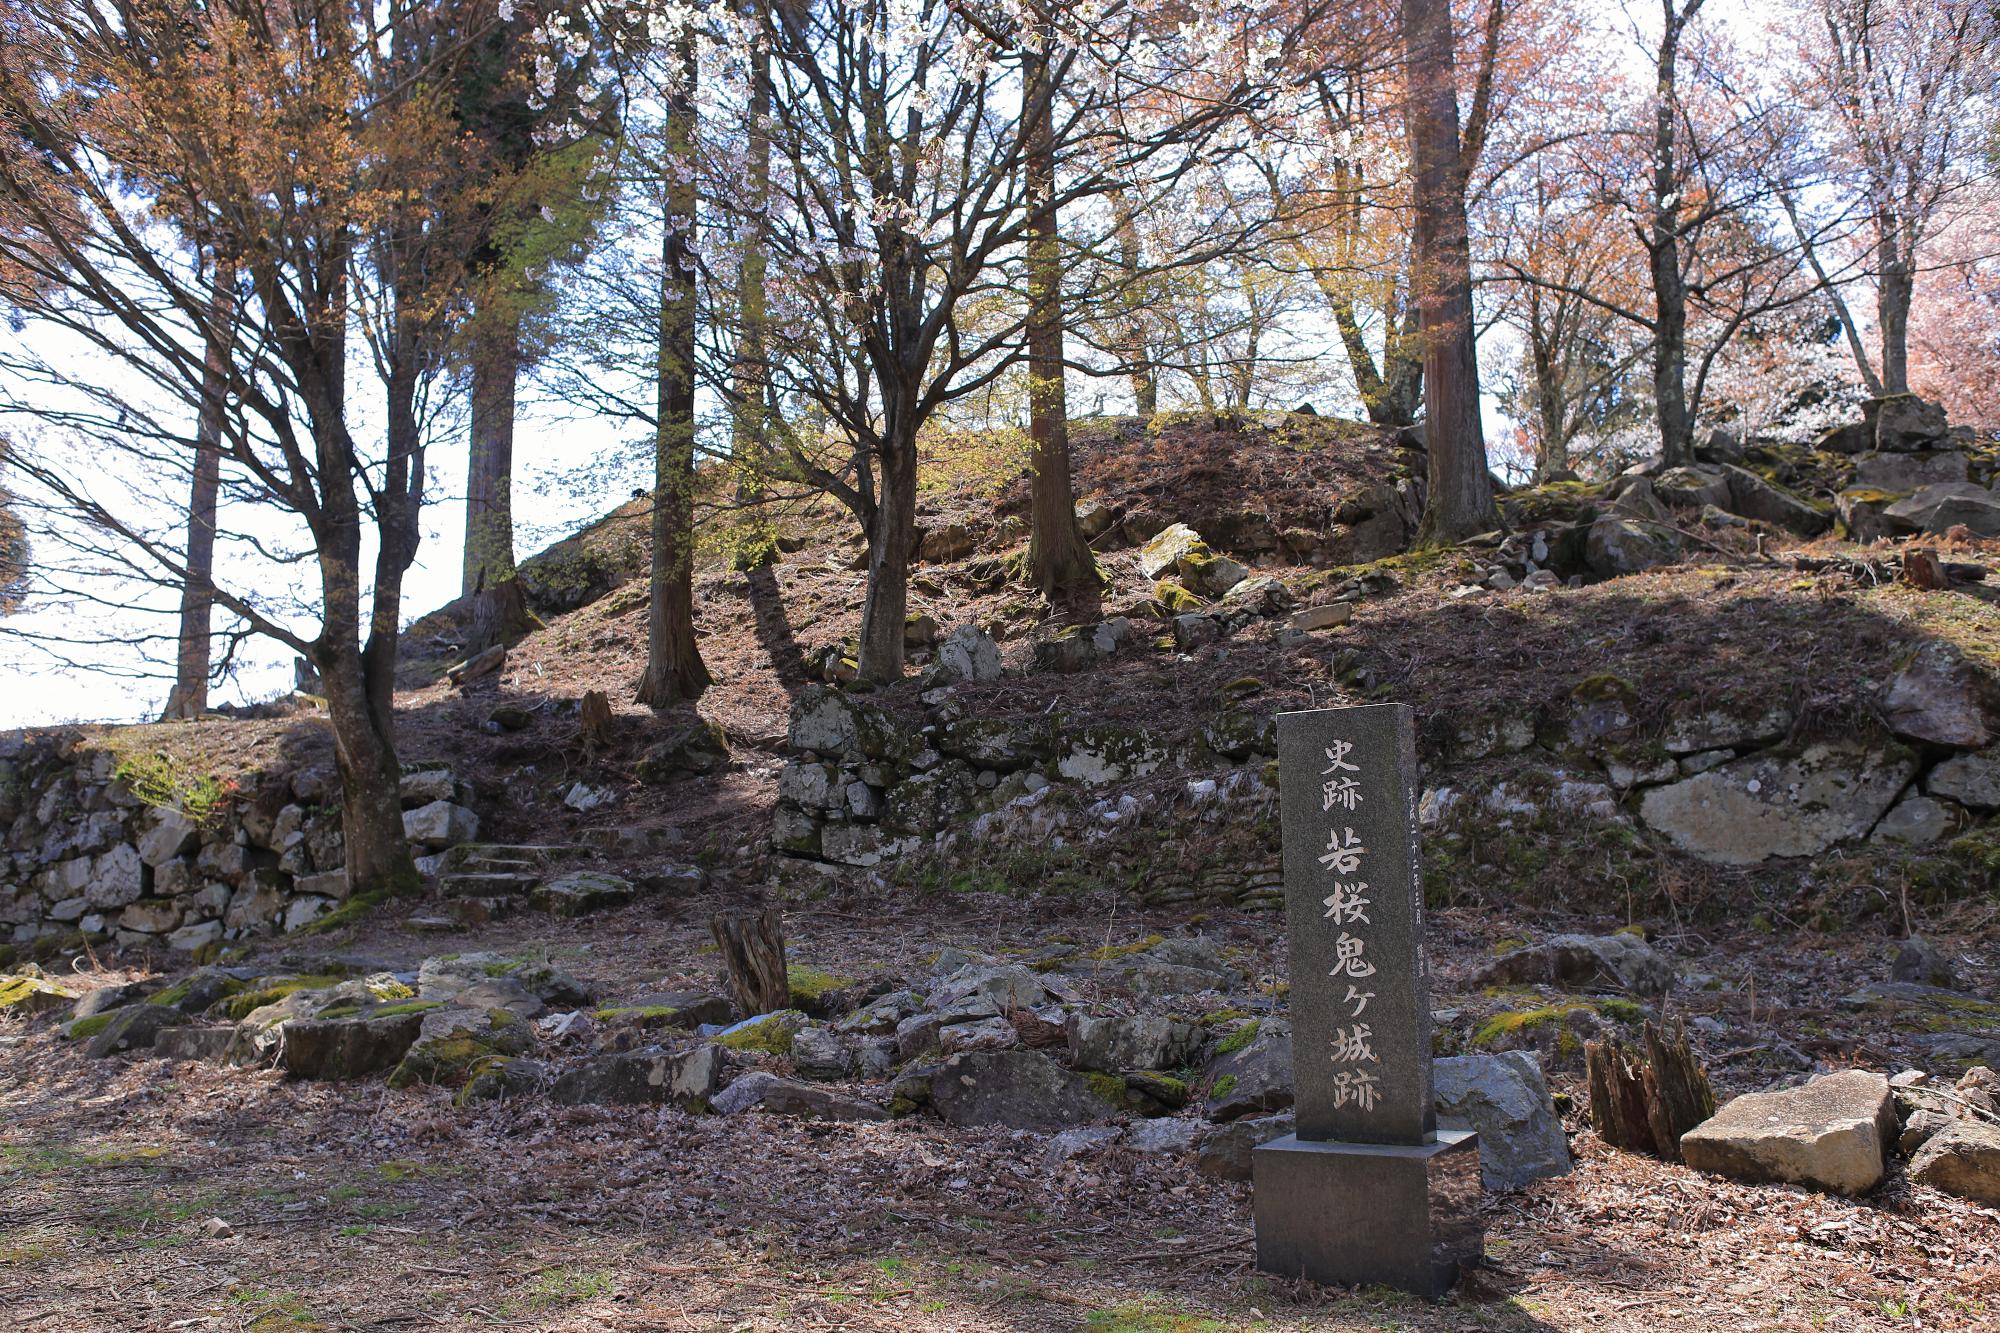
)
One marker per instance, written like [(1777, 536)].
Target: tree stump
[(596, 720), (753, 951), (1644, 1101), (1922, 570)]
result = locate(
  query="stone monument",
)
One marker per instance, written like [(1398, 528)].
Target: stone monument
[(1368, 1190)]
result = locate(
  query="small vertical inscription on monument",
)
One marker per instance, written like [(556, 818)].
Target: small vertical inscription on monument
[(1360, 997)]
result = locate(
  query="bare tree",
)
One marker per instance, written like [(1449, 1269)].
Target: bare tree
[(674, 669), (1459, 501), (309, 153), (1905, 86), (900, 212)]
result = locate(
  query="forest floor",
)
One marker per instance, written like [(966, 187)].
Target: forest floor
[(350, 1206)]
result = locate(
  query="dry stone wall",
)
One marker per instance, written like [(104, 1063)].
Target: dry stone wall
[(87, 854)]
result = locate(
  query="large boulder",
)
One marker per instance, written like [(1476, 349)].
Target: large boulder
[(1625, 961), (1506, 1099), (1163, 552), (1781, 803), (1831, 1134), (1250, 1071), (783, 1096), (1225, 1151), (1970, 779), (1143, 1041), (1915, 821), (1755, 498), (1905, 423), (968, 654), (1903, 473), (337, 1046), (1962, 1159), (1938, 696), (133, 1028), (1692, 487), (1617, 546), (439, 825), (642, 1078), (1940, 508), (1016, 1089)]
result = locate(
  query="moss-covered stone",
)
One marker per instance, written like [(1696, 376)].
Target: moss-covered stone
[(34, 995), (810, 986), (1175, 599), (1126, 950), (1238, 1039), (241, 1005), (770, 1034)]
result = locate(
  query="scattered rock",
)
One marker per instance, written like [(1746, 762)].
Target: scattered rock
[(690, 747), (1322, 617), (1506, 1099), (580, 892), (1072, 1143), (1924, 963), (983, 1034), (1939, 696), (1004, 987), (967, 654), (783, 1096), (193, 1042), (1018, 1089), (818, 1053), (1830, 1134), (642, 1078), (1145, 1041), (1962, 1159), (1225, 1152), (1163, 1135), (1582, 960), (1251, 1071)]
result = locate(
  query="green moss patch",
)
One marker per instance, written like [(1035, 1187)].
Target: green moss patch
[(1111, 951), (1238, 1039), (809, 984), (241, 1005), (769, 1035)]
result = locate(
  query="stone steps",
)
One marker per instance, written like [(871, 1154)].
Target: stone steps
[(492, 856), (489, 884)]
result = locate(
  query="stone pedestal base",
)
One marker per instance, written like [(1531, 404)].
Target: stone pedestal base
[(1362, 1213)]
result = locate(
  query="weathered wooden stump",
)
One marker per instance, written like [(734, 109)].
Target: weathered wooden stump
[(1644, 1101), (596, 720), (753, 951), (1921, 569)]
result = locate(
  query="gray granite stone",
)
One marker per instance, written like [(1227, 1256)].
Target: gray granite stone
[(1360, 997), (1358, 1214)]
